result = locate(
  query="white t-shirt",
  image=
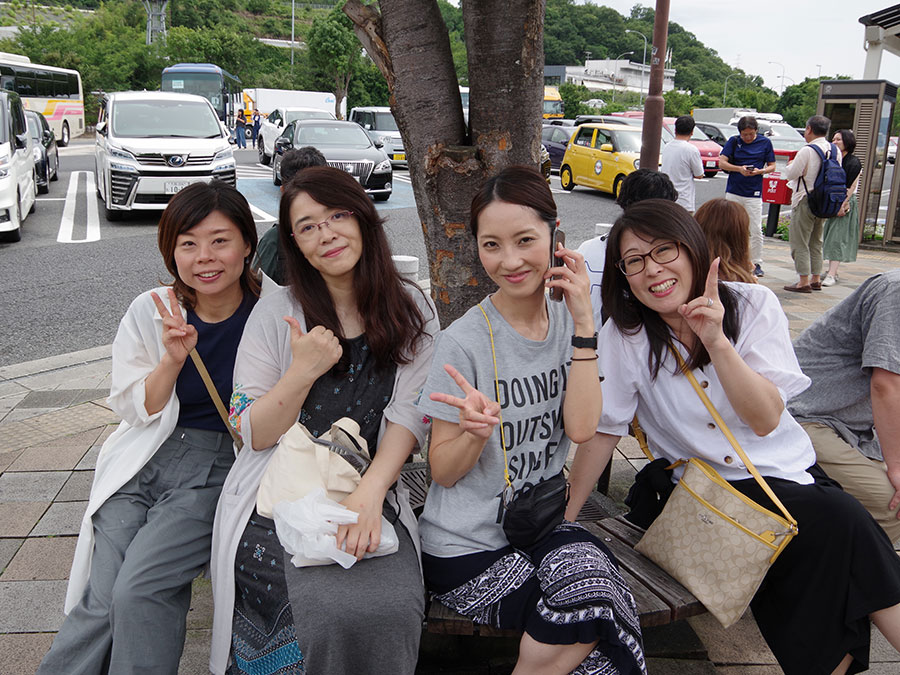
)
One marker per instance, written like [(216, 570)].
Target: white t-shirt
[(594, 252), (677, 423), (681, 162)]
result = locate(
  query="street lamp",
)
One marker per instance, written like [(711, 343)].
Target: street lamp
[(616, 78), (725, 93), (782, 74), (643, 61)]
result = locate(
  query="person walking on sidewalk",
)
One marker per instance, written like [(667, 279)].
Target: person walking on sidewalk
[(148, 526), (681, 162), (256, 119), (747, 157), (806, 229), (840, 241)]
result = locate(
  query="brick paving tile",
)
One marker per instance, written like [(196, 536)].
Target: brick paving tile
[(18, 518), (41, 558), (62, 518), (22, 653), (31, 486)]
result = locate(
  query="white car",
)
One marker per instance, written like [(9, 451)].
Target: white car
[(18, 187), (151, 144), (381, 126), (274, 123)]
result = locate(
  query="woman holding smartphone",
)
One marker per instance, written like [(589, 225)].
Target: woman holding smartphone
[(503, 424)]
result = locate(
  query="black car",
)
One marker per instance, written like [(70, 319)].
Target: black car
[(345, 145), (46, 155), (556, 140)]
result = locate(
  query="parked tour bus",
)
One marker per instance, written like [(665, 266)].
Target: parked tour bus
[(54, 92), (553, 103), (216, 85)]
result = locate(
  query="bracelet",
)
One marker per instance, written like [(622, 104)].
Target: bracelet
[(585, 358)]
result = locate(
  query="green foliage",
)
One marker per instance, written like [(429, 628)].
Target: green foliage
[(334, 51), (453, 20), (572, 96), (368, 87), (798, 103), (677, 103)]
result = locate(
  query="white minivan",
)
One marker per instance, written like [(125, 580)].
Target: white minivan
[(151, 144), (18, 187)]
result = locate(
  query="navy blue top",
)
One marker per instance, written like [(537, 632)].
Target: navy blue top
[(758, 153), (217, 345)]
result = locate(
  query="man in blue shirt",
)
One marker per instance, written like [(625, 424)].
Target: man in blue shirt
[(747, 157)]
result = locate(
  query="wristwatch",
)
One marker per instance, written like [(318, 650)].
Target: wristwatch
[(585, 342)]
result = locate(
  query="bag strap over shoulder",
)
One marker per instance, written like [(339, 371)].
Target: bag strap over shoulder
[(214, 395), (506, 478), (731, 439)]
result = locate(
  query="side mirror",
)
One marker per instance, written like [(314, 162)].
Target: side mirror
[(281, 143), (367, 126), (377, 143), (607, 147), (100, 128), (22, 140), (47, 135)]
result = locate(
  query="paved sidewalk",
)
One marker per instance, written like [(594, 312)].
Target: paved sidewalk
[(54, 418)]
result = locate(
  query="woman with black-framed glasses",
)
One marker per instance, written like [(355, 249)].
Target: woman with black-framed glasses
[(840, 571), (348, 337)]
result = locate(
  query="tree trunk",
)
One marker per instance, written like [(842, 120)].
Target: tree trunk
[(409, 42)]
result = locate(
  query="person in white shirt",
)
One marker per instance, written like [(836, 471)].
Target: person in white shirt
[(662, 294), (807, 229), (681, 162)]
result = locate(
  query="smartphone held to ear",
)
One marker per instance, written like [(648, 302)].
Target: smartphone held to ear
[(559, 237)]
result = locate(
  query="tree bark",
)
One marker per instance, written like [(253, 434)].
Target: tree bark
[(409, 42)]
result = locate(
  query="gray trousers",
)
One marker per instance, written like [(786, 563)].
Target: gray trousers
[(805, 238), (151, 538)]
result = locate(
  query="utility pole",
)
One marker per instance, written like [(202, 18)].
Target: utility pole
[(156, 20), (655, 104)]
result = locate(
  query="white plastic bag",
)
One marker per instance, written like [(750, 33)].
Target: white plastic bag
[(307, 527)]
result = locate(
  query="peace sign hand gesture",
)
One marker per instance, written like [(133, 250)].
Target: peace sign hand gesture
[(178, 337), (477, 413), (704, 315)]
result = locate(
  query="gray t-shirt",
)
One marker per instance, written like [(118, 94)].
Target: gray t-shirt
[(466, 518), (838, 352)]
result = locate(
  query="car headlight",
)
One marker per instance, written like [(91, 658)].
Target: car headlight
[(637, 164), (382, 166), (120, 153), (227, 153)]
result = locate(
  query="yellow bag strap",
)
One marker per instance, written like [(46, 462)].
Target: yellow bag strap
[(497, 393), (731, 439), (214, 395)]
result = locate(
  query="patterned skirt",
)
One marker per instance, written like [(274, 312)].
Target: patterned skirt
[(567, 590)]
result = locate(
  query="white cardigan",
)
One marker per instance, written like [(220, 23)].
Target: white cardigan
[(136, 351), (264, 355)]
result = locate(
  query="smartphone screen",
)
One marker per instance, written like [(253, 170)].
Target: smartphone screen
[(559, 237)]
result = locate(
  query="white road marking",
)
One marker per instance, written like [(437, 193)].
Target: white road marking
[(67, 224), (263, 216), (51, 199)]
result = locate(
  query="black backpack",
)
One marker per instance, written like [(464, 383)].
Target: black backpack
[(830, 188)]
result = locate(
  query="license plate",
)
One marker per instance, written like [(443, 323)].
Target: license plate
[(399, 158), (710, 164), (172, 187)]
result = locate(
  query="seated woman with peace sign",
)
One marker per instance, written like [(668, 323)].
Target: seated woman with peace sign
[(147, 529), (513, 381), (663, 294), (348, 337)]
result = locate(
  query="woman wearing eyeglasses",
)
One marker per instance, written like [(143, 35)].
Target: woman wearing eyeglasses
[(663, 294), (346, 338)]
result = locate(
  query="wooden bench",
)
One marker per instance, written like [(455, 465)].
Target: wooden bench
[(660, 599)]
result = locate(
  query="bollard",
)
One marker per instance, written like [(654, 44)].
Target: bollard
[(407, 266)]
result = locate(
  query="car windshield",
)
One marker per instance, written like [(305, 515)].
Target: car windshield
[(292, 115), (350, 136), (384, 121), (627, 140), (785, 131), (174, 119), (698, 135)]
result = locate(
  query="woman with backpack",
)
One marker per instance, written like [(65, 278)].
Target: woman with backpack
[(841, 238)]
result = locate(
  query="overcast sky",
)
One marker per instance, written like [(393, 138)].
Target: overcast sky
[(800, 34)]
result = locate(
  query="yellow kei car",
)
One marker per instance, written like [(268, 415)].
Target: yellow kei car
[(600, 156)]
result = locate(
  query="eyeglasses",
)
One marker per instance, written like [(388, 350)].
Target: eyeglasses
[(310, 230), (635, 263)]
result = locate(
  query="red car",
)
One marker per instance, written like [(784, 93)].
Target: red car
[(709, 149)]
